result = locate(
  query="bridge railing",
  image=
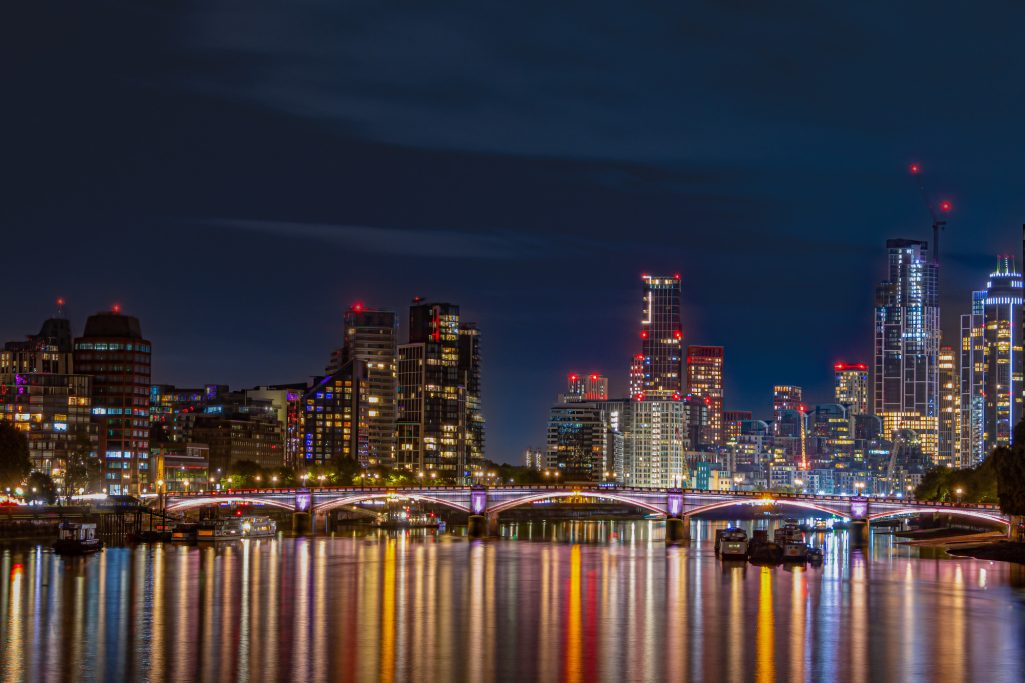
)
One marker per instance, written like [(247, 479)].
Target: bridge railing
[(571, 487)]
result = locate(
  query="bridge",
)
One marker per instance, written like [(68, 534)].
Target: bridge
[(485, 504)]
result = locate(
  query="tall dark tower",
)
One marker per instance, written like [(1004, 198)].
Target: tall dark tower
[(661, 338)]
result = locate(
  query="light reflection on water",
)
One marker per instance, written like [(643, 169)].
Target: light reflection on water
[(573, 601)]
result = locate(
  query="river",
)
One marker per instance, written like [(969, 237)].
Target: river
[(566, 601)]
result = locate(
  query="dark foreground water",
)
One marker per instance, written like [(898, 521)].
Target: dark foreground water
[(576, 601)]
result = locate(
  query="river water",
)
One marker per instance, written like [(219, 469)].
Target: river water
[(570, 601)]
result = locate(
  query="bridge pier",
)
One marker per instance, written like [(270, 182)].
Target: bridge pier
[(860, 532)]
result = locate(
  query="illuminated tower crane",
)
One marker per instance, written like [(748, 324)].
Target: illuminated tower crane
[(937, 211)]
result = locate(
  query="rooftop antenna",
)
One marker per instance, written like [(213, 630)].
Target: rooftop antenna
[(60, 307), (937, 211)]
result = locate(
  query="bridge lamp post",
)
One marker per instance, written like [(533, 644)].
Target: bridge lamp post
[(421, 475), (859, 488), (321, 479), (960, 492), (799, 483)]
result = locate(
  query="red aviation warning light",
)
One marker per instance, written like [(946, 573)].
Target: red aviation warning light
[(644, 334), (915, 169), (946, 206), (60, 301), (116, 308), (357, 307), (594, 377), (573, 377)]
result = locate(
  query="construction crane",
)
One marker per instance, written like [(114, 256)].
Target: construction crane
[(937, 211)]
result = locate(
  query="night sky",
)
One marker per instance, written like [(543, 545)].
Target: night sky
[(237, 173)]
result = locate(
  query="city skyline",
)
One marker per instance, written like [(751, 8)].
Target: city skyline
[(769, 219)]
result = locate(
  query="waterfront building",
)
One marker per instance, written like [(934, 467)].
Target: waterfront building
[(577, 442), (949, 437), (183, 467), (1003, 353), (114, 353), (697, 419), (972, 403), (370, 337), (234, 438), (661, 338), (288, 404), (851, 387), (469, 378), (439, 393), (705, 381), (53, 409), (655, 444), (907, 339)]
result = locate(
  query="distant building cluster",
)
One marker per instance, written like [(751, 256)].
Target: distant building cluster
[(415, 405), (919, 404)]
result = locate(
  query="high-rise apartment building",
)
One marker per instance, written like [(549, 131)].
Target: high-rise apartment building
[(949, 438), (577, 441), (439, 393), (661, 338), (705, 381), (1003, 352), (469, 378), (785, 397), (851, 387), (907, 338), (972, 385), (654, 444), (114, 353), (370, 339), (732, 420), (592, 387)]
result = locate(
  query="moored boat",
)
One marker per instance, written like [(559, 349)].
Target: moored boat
[(258, 527), (221, 530), (733, 544), (184, 532), (77, 539), (795, 552)]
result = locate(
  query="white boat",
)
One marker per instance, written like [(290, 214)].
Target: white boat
[(77, 539), (221, 530), (258, 527)]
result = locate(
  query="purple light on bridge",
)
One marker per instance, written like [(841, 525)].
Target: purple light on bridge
[(302, 502), (478, 501), (674, 503), (859, 509)]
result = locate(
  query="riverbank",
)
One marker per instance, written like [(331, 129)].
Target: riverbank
[(1003, 551)]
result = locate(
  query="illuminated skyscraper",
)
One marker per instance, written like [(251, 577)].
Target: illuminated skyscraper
[(661, 338), (637, 376), (440, 426), (1003, 344), (370, 338), (907, 339), (114, 353), (973, 373), (851, 387), (785, 397), (950, 409), (705, 381)]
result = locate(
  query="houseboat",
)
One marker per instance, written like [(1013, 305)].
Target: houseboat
[(77, 539)]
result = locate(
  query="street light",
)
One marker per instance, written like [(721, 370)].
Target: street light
[(960, 492)]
